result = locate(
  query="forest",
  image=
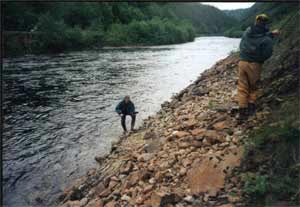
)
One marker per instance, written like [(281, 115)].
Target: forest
[(42, 27)]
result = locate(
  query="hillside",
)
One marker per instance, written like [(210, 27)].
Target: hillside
[(205, 19), (41, 27), (237, 14), (278, 11), (193, 152)]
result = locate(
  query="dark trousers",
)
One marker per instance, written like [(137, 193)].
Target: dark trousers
[(123, 121)]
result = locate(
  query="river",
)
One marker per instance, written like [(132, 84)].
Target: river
[(59, 109)]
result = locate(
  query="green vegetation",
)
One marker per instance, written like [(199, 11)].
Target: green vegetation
[(272, 158), (237, 14), (277, 11), (60, 26)]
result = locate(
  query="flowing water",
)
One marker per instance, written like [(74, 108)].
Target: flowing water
[(59, 109)]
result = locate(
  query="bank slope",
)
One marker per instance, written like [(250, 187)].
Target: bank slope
[(193, 153), (181, 155)]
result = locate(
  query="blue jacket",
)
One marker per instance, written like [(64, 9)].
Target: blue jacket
[(123, 108), (256, 44)]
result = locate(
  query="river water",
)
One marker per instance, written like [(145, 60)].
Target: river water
[(59, 109)]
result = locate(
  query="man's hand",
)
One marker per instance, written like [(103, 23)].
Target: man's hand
[(275, 32)]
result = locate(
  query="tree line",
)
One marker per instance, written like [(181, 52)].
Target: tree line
[(60, 26)]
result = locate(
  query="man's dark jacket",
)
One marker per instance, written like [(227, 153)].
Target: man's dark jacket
[(256, 44), (125, 108)]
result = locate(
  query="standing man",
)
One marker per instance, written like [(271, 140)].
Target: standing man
[(256, 47), (124, 108)]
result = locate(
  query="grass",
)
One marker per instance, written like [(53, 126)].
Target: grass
[(272, 159)]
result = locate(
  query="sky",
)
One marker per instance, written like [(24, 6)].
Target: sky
[(229, 5)]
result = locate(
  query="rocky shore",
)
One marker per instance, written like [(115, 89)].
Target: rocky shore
[(185, 155)]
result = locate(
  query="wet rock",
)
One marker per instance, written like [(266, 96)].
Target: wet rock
[(126, 168), (83, 202), (95, 203), (199, 91), (99, 188), (105, 193), (152, 146), (72, 204), (112, 184), (150, 135), (76, 194), (145, 157)]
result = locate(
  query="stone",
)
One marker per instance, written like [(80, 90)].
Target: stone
[(152, 180), (190, 124), (162, 199), (205, 177), (150, 135), (186, 162), (152, 146), (183, 145), (133, 178), (95, 203), (111, 203), (189, 199), (73, 204), (182, 171), (112, 184), (105, 193), (198, 131), (125, 198), (180, 134), (99, 188), (126, 168), (213, 137), (145, 157), (233, 199), (83, 202), (220, 125), (199, 91), (100, 159), (196, 143), (232, 159), (147, 189), (164, 165)]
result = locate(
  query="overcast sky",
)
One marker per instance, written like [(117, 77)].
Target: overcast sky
[(228, 5)]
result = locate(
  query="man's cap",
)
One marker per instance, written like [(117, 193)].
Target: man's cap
[(263, 18)]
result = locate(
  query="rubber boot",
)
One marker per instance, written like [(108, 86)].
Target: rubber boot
[(251, 109), (243, 115)]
